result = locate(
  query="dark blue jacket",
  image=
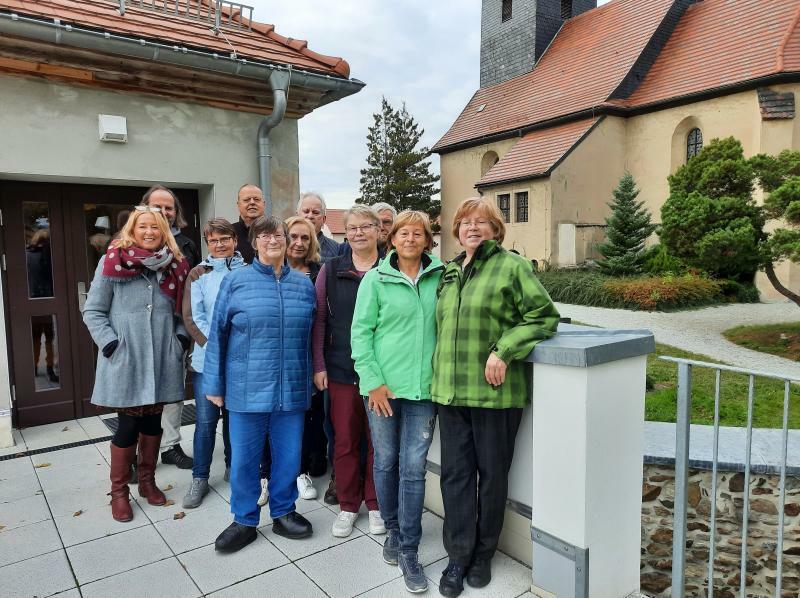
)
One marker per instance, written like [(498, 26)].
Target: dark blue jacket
[(258, 354)]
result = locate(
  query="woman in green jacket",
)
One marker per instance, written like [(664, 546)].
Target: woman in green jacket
[(393, 336), (491, 312)]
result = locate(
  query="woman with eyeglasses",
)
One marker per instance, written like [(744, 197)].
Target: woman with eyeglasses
[(491, 312), (198, 309), (133, 313), (258, 366), (334, 369)]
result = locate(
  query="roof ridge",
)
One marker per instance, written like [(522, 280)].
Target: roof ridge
[(787, 36)]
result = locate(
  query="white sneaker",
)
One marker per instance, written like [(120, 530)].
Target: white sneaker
[(305, 487), (264, 498), (343, 525), (376, 525)]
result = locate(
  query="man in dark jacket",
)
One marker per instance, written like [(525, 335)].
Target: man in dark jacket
[(250, 201), (161, 197), (312, 207)]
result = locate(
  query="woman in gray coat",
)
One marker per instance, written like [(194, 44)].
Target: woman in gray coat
[(133, 315)]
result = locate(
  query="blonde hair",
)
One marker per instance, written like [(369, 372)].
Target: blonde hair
[(313, 248), (411, 217), (485, 208), (126, 238)]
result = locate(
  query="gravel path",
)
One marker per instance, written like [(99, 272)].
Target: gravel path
[(700, 331)]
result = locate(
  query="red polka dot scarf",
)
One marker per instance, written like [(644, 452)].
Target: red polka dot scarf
[(122, 264)]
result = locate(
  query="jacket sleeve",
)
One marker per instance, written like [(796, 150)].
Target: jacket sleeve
[(217, 346), (539, 317), (194, 317), (97, 308), (362, 334)]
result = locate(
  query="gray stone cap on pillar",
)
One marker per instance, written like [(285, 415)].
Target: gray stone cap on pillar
[(583, 346)]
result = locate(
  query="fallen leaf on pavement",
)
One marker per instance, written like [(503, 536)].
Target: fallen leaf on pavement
[(167, 488), (42, 465), (169, 502), (77, 513), (2, 527), (179, 515), (65, 428)]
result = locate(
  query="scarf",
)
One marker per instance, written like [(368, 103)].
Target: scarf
[(123, 265)]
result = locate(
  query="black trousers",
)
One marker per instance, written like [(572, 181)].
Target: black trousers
[(477, 450), (130, 427)]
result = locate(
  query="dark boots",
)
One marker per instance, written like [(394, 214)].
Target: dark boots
[(148, 457), (121, 459)]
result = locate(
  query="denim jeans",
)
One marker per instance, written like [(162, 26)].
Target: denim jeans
[(249, 433), (205, 431), (401, 444)]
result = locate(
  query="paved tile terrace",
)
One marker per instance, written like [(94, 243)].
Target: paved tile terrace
[(57, 536)]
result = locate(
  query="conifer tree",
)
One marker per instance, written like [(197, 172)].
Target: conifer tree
[(626, 231), (397, 172)]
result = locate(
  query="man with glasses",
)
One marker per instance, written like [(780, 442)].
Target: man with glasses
[(387, 214), (250, 201), (312, 207)]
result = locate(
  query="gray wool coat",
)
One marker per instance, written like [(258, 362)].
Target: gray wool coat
[(147, 366)]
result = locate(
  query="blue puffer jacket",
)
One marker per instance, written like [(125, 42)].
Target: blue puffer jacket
[(258, 354), (204, 295)]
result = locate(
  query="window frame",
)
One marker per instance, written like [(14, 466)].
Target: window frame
[(506, 10), (507, 212), (527, 193), (694, 142)]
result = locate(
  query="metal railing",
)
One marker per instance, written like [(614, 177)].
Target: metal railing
[(220, 13), (682, 432)]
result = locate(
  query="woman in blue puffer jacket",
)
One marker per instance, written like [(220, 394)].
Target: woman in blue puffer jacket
[(258, 365)]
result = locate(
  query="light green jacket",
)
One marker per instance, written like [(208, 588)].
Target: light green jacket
[(393, 334)]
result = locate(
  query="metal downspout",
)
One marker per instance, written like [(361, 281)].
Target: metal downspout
[(279, 83)]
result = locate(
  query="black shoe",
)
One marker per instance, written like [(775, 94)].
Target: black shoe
[(293, 526), (51, 374), (235, 537), (452, 582), (317, 464), (330, 493), (134, 473), (176, 456), (479, 573)]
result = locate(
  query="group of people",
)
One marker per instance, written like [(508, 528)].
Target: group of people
[(312, 351)]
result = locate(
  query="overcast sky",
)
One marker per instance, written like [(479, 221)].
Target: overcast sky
[(421, 52)]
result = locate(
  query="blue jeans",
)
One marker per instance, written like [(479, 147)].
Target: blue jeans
[(401, 444), (205, 430), (249, 432)]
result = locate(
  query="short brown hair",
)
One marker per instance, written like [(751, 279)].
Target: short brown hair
[(409, 217), (219, 226), (313, 248), (266, 225), (485, 208), (180, 219)]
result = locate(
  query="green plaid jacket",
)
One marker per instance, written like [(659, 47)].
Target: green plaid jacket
[(495, 304)]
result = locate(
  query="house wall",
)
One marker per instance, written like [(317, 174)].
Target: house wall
[(50, 133)]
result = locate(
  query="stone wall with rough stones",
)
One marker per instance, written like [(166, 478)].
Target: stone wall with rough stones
[(658, 495)]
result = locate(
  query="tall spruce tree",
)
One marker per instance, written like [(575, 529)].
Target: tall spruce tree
[(626, 231), (397, 172)]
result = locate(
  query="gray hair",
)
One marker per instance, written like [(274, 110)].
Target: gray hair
[(363, 211), (312, 194), (382, 205)]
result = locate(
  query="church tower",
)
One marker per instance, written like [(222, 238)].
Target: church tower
[(515, 33)]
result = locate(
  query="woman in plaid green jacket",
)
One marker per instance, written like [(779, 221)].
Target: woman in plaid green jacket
[(491, 312)]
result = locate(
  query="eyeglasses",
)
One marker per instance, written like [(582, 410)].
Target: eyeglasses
[(351, 230), (147, 209), (468, 223), (278, 237), (219, 241)]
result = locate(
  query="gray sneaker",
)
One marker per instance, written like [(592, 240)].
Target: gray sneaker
[(194, 496), (412, 571), (391, 547)]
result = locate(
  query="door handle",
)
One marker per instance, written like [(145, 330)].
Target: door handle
[(82, 294)]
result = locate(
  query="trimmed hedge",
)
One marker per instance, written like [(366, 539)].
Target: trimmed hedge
[(642, 292)]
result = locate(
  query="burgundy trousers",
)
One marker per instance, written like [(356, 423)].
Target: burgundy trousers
[(350, 425)]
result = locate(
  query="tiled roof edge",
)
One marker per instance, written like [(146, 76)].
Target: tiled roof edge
[(779, 63), (651, 50)]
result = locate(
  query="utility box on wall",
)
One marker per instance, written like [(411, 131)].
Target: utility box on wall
[(113, 128)]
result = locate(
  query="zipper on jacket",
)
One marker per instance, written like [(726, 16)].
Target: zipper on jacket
[(280, 324)]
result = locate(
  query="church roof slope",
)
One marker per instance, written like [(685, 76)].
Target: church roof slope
[(586, 62), (537, 153), (260, 42)]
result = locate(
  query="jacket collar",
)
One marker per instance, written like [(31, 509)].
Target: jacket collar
[(485, 250), (269, 270), (223, 263), (389, 265)]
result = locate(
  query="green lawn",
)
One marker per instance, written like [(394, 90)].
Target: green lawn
[(660, 402), (777, 339)]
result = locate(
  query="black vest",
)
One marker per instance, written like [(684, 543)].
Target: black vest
[(341, 285)]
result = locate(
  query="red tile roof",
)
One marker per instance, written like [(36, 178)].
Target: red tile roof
[(722, 42), (537, 153), (335, 221), (261, 43), (585, 63)]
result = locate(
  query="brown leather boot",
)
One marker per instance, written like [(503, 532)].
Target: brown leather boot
[(121, 459), (148, 457)]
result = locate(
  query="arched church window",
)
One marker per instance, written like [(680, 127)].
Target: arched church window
[(694, 143)]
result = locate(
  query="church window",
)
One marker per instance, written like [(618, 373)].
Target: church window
[(521, 200), (503, 203), (566, 9), (694, 143), (506, 10)]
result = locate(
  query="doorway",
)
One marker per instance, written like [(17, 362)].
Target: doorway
[(53, 236)]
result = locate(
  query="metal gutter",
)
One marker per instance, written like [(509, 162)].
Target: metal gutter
[(279, 83), (55, 31)]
